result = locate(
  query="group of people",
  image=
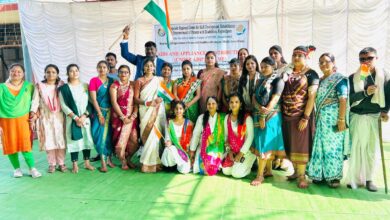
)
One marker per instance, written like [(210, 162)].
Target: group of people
[(269, 111)]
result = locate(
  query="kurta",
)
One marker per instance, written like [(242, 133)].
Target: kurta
[(80, 97), (14, 126), (50, 124)]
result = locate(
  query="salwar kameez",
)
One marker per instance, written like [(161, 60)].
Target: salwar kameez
[(178, 153), (50, 123), (208, 142), (238, 138), (77, 94), (186, 92)]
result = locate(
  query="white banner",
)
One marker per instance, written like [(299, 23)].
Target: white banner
[(192, 41)]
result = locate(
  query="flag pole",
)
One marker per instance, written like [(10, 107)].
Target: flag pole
[(382, 153), (131, 24)]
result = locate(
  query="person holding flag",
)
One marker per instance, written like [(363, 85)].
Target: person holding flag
[(152, 115), (159, 10), (369, 99), (168, 83), (178, 135)]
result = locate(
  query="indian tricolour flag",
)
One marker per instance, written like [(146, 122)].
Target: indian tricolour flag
[(164, 93), (159, 10)]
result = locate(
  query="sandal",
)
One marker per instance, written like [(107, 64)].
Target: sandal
[(334, 183), (51, 169), (63, 168)]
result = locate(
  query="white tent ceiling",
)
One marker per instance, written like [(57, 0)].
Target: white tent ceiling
[(64, 32)]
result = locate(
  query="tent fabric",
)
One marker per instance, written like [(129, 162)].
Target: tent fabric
[(64, 32)]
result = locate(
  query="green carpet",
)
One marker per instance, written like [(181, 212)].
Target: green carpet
[(133, 195)]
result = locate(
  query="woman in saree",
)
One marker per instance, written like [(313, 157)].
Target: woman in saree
[(187, 89), (276, 53), (298, 99), (250, 75), (208, 142), (15, 134), (123, 117), (166, 73), (229, 83), (75, 105), (331, 140), (99, 88), (152, 116), (178, 135), (48, 118), (211, 78), (268, 120), (238, 127)]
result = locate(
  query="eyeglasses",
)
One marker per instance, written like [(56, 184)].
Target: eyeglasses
[(365, 59)]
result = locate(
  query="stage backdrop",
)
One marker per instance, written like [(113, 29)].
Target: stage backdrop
[(192, 41)]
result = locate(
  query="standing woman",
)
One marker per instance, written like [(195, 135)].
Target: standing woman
[(208, 142), (276, 53), (241, 56), (211, 78), (99, 91), (229, 83), (177, 140), (46, 108), (297, 106), (166, 73), (250, 75), (74, 103), (15, 134), (124, 114), (331, 141), (187, 90), (268, 119), (152, 116), (238, 126)]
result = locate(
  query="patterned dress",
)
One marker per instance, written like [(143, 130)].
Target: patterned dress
[(326, 161)]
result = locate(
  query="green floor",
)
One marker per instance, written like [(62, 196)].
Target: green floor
[(132, 195)]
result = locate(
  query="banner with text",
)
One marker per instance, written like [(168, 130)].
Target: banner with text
[(192, 41)]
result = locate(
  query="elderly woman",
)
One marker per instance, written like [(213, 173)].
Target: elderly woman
[(331, 139), (46, 109), (15, 103)]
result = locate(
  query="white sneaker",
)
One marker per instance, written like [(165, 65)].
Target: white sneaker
[(18, 173), (35, 173)]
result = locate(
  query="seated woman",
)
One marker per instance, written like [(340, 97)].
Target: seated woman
[(124, 114), (208, 140), (177, 140), (238, 128), (268, 119)]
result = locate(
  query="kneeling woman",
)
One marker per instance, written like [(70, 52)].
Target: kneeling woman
[(177, 140), (238, 127), (74, 103), (209, 131), (268, 119)]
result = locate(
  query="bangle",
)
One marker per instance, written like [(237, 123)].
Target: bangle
[(305, 117), (74, 117), (340, 119), (122, 117)]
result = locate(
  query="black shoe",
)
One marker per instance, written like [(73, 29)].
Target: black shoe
[(94, 159), (371, 187), (317, 181), (334, 183)]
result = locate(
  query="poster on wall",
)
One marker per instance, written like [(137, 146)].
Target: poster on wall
[(192, 41)]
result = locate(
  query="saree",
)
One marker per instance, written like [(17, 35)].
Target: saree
[(327, 157), (101, 134), (124, 136), (212, 147), (229, 86), (186, 93), (152, 121)]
